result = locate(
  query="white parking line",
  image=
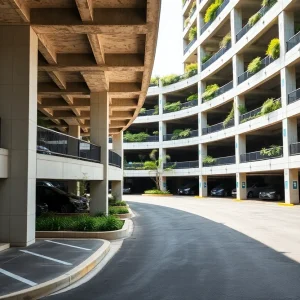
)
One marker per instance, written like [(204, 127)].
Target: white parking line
[(68, 245), (47, 257), (19, 278)]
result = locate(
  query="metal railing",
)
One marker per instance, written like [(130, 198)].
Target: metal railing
[(294, 96), (247, 27), (184, 105), (190, 44), (219, 10), (183, 77), (264, 62), (295, 149), (293, 41), (171, 137), (223, 89), (217, 127), (54, 143), (149, 139), (134, 166), (216, 56), (220, 161), (114, 159), (257, 155), (182, 165), (149, 112)]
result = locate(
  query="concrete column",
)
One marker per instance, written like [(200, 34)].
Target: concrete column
[(237, 68), (162, 157), (236, 23), (291, 186), (18, 111), (289, 134), (201, 90), (99, 136), (162, 101), (288, 84), (162, 132), (286, 29), (74, 131), (202, 122), (202, 186), (117, 147), (202, 154), (238, 101), (240, 146), (241, 186)]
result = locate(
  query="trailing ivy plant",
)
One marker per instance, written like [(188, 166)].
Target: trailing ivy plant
[(268, 3), (229, 117), (273, 151), (206, 58), (210, 92), (135, 137), (209, 160), (225, 41), (211, 11), (274, 48), (192, 33), (255, 65), (254, 19), (172, 107), (170, 79), (270, 105)]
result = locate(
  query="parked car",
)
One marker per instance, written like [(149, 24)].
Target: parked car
[(191, 188), (43, 150), (127, 189), (56, 184), (271, 193), (41, 208), (221, 190), (252, 191), (60, 201)]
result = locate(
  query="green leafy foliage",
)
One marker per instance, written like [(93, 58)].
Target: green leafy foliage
[(270, 105), (206, 58), (225, 41), (142, 110), (210, 92), (192, 33), (156, 132), (156, 192), (229, 117), (155, 80), (172, 107), (254, 19), (211, 11), (156, 110), (274, 150), (192, 8), (117, 203), (170, 79), (268, 3), (208, 160), (135, 137), (181, 134), (297, 28), (51, 222), (190, 69), (115, 210), (255, 65), (187, 21), (242, 109), (192, 97), (274, 48)]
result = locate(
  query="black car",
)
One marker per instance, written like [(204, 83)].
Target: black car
[(191, 188), (271, 193), (60, 201), (41, 208), (221, 190)]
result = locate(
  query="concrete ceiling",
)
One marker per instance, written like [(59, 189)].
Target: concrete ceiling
[(90, 46)]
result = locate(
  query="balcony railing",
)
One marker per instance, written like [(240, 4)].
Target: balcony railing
[(223, 89), (149, 139), (115, 159), (220, 161), (54, 143), (216, 56), (183, 106), (182, 165), (247, 27), (217, 127), (193, 11), (294, 96), (295, 149), (171, 137), (264, 62), (257, 155), (134, 166), (293, 41), (190, 44), (149, 112), (219, 10)]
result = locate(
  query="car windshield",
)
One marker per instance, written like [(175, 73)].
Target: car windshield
[(220, 186), (58, 191), (189, 185)]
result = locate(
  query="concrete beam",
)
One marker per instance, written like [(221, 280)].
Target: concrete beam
[(73, 88), (97, 48), (58, 79), (85, 8), (121, 115), (47, 49), (22, 9)]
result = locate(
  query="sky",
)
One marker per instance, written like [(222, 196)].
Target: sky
[(169, 53)]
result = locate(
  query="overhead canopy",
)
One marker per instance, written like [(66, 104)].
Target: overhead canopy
[(90, 46)]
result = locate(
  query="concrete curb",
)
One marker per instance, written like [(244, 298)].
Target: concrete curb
[(106, 235), (62, 281), (4, 246), (157, 195), (125, 216)]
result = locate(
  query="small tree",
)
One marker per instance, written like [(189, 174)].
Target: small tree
[(155, 164)]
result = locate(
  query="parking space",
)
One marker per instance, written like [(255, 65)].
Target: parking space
[(22, 268)]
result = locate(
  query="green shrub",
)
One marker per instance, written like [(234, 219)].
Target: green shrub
[(229, 117), (156, 132), (186, 22), (172, 107), (155, 80), (192, 8), (242, 109), (211, 11), (155, 191), (190, 69), (254, 19), (209, 160), (255, 65), (117, 203), (268, 3), (115, 210), (210, 92), (142, 110), (192, 33), (135, 137), (77, 223), (180, 133), (170, 79), (206, 58), (192, 97), (274, 150), (270, 105), (156, 110), (274, 48), (225, 41)]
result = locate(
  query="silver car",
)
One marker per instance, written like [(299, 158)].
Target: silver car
[(252, 191)]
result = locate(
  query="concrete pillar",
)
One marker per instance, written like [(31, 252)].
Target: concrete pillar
[(241, 186), (202, 154), (73, 148), (240, 146), (163, 179), (237, 68), (18, 111), (291, 186), (238, 101), (236, 23), (288, 84), (202, 186), (286, 29), (162, 102), (289, 134), (117, 186), (202, 122), (201, 90), (99, 136)]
